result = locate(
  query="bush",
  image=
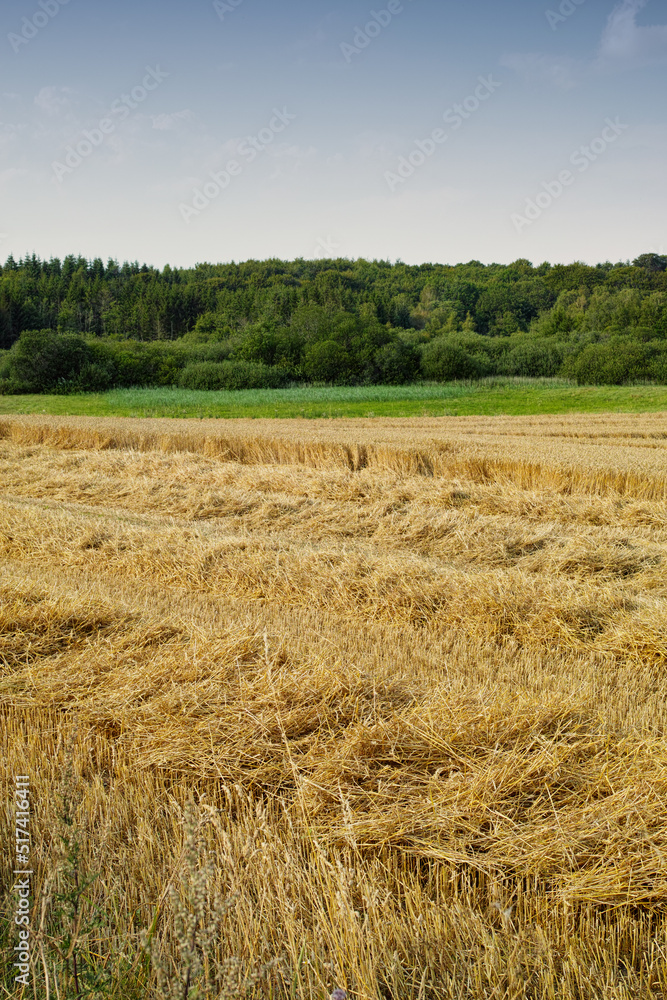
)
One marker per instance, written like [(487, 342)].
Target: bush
[(209, 328), (533, 359), (132, 363), (95, 376), (157, 363), (232, 375), (5, 384), (613, 362), (46, 361), (327, 361), (658, 364), (395, 363), (444, 360), (270, 345)]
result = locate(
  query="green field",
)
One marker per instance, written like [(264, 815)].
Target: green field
[(487, 397)]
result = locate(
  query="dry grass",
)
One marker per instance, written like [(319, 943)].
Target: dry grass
[(414, 670)]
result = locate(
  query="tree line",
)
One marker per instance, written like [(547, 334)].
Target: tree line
[(85, 325)]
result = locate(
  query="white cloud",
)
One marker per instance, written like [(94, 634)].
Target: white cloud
[(624, 40), (289, 158), (377, 146), (10, 174), (167, 123), (624, 43), (54, 100), (559, 71), (12, 138)]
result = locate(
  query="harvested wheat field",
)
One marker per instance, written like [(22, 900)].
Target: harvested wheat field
[(378, 705)]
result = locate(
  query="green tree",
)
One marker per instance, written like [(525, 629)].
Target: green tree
[(533, 358), (614, 362), (327, 361), (395, 363), (42, 360), (652, 262), (444, 360)]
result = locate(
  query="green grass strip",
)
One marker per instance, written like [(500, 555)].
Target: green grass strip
[(488, 397)]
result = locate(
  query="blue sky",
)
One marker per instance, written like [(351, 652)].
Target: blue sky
[(176, 132)]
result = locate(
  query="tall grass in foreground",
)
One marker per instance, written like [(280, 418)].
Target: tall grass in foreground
[(487, 396), (363, 706), (301, 395)]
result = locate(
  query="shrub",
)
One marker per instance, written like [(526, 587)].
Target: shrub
[(5, 384), (95, 376), (395, 363), (533, 359), (46, 361), (209, 328), (444, 360), (613, 362), (327, 361), (232, 375), (270, 345), (658, 366), (131, 362), (157, 363)]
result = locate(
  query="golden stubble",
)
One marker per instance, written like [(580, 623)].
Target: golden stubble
[(415, 668)]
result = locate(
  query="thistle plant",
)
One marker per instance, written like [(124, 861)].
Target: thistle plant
[(195, 969), (70, 920)]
